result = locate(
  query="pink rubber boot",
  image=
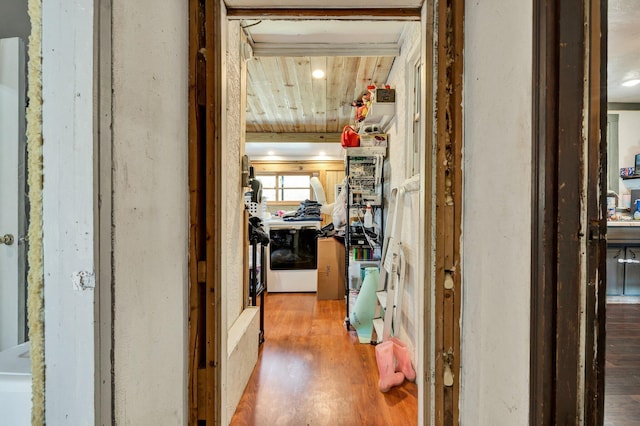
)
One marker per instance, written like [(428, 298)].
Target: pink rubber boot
[(401, 353), (386, 367)]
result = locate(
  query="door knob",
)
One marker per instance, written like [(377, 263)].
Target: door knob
[(6, 239)]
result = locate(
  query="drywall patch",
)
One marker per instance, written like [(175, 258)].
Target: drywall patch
[(83, 280)]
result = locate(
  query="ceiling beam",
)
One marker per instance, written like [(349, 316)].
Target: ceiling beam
[(293, 137), (326, 49), (355, 14)]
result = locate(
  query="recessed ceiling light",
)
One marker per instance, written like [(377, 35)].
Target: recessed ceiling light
[(322, 153), (270, 153), (631, 83), (317, 73)]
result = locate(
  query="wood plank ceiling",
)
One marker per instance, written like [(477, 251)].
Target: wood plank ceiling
[(283, 97)]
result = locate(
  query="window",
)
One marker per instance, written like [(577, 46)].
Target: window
[(286, 187)]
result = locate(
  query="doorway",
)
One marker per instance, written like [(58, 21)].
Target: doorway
[(338, 66), (623, 284), (201, 216)]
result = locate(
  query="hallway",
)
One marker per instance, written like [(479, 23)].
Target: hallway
[(310, 371)]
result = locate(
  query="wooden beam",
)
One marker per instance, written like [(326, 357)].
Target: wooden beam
[(326, 49), (293, 137), (448, 210), (205, 203), (379, 14), (595, 333)]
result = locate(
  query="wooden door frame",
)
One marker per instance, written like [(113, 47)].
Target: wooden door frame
[(569, 164), (448, 211), (205, 163), (205, 211)]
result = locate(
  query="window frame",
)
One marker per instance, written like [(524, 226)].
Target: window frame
[(278, 188)]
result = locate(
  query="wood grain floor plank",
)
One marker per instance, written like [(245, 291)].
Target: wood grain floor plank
[(311, 371), (622, 367)]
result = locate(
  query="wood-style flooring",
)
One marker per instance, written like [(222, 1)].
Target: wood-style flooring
[(311, 371), (622, 367)]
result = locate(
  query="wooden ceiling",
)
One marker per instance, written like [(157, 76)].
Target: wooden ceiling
[(283, 97)]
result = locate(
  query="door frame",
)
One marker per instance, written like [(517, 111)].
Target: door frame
[(442, 219), (569, 226)]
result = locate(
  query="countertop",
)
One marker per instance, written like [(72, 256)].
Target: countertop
[(618, 223)]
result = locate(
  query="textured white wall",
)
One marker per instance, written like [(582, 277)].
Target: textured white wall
[(242, 356), (233, 226), (628, 137), (150, 169), (496, 213), (68, 201), (395, 175)]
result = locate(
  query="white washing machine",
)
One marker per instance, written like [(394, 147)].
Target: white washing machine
[(292, 260)]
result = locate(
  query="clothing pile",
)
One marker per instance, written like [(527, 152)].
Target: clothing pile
[(308, 210)]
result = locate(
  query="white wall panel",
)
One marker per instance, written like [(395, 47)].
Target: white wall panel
[(150, 184), (496, 213), (68, 221)]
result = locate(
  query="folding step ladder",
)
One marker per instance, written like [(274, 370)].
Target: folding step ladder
[(391, 281)]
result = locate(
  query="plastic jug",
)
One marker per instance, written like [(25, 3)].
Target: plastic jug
[(368, 217)]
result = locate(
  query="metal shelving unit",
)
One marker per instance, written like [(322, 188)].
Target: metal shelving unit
[(364, 186)]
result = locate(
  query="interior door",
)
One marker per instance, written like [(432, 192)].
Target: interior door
[(12, 171)]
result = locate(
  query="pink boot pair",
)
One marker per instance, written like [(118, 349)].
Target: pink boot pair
[(394, 364)]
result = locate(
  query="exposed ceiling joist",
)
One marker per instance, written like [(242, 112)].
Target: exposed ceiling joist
[(293, 137), (355, 14), (326, 49)]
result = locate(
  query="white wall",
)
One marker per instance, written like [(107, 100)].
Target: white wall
[(14, 19), (232, 220), (240, 340), (395, 175), (68, 194), (628, 137), (496, 213), (150, 169), (628, 146)]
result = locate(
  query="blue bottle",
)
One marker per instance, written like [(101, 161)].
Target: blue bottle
[(636, 214)]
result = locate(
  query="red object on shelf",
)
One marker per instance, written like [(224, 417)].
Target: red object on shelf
[(350, 137)]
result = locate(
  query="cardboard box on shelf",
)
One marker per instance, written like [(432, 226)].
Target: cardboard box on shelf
[(331, 273), (374, 139)]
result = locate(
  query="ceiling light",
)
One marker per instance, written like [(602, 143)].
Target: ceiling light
[(270, 153), (322, 153), (317, 73), (631, 83)]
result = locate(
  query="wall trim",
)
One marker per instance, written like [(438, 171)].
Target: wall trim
[(103, 200)]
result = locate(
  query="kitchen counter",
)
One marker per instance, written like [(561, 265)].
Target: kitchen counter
[(619, 223), (623, 232)]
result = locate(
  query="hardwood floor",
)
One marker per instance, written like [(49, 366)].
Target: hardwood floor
[(311, 371), (622, 367)]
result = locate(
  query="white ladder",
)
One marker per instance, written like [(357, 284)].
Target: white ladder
[(392, 272)]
